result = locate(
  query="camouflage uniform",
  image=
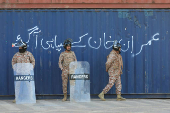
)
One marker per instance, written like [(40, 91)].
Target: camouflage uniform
[(64, 60), (25, 57), (113, 66)]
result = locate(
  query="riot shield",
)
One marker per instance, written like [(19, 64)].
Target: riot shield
[(79, 76), (24, 83)]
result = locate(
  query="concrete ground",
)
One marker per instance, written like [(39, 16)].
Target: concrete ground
[(95, 106)]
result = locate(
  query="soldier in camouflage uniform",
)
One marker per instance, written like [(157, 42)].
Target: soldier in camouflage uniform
[(65, 59), (23, 56), (114, 66)]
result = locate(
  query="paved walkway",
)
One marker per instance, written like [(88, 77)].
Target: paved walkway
[(95, 106)]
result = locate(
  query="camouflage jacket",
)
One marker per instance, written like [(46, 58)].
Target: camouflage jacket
[(25, 57), (65, 59), (114, 62)]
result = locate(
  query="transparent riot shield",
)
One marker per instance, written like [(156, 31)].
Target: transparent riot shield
[(24, 83), (79, 76)]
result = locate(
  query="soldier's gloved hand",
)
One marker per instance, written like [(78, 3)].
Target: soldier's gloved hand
[(121, 72), (106, 70)]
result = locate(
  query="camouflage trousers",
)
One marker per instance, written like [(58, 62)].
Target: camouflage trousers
[(113, 79), (64, 76)]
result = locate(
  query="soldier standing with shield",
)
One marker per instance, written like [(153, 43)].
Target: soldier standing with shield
[(23, 56), (65, 59), (114, 66)]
